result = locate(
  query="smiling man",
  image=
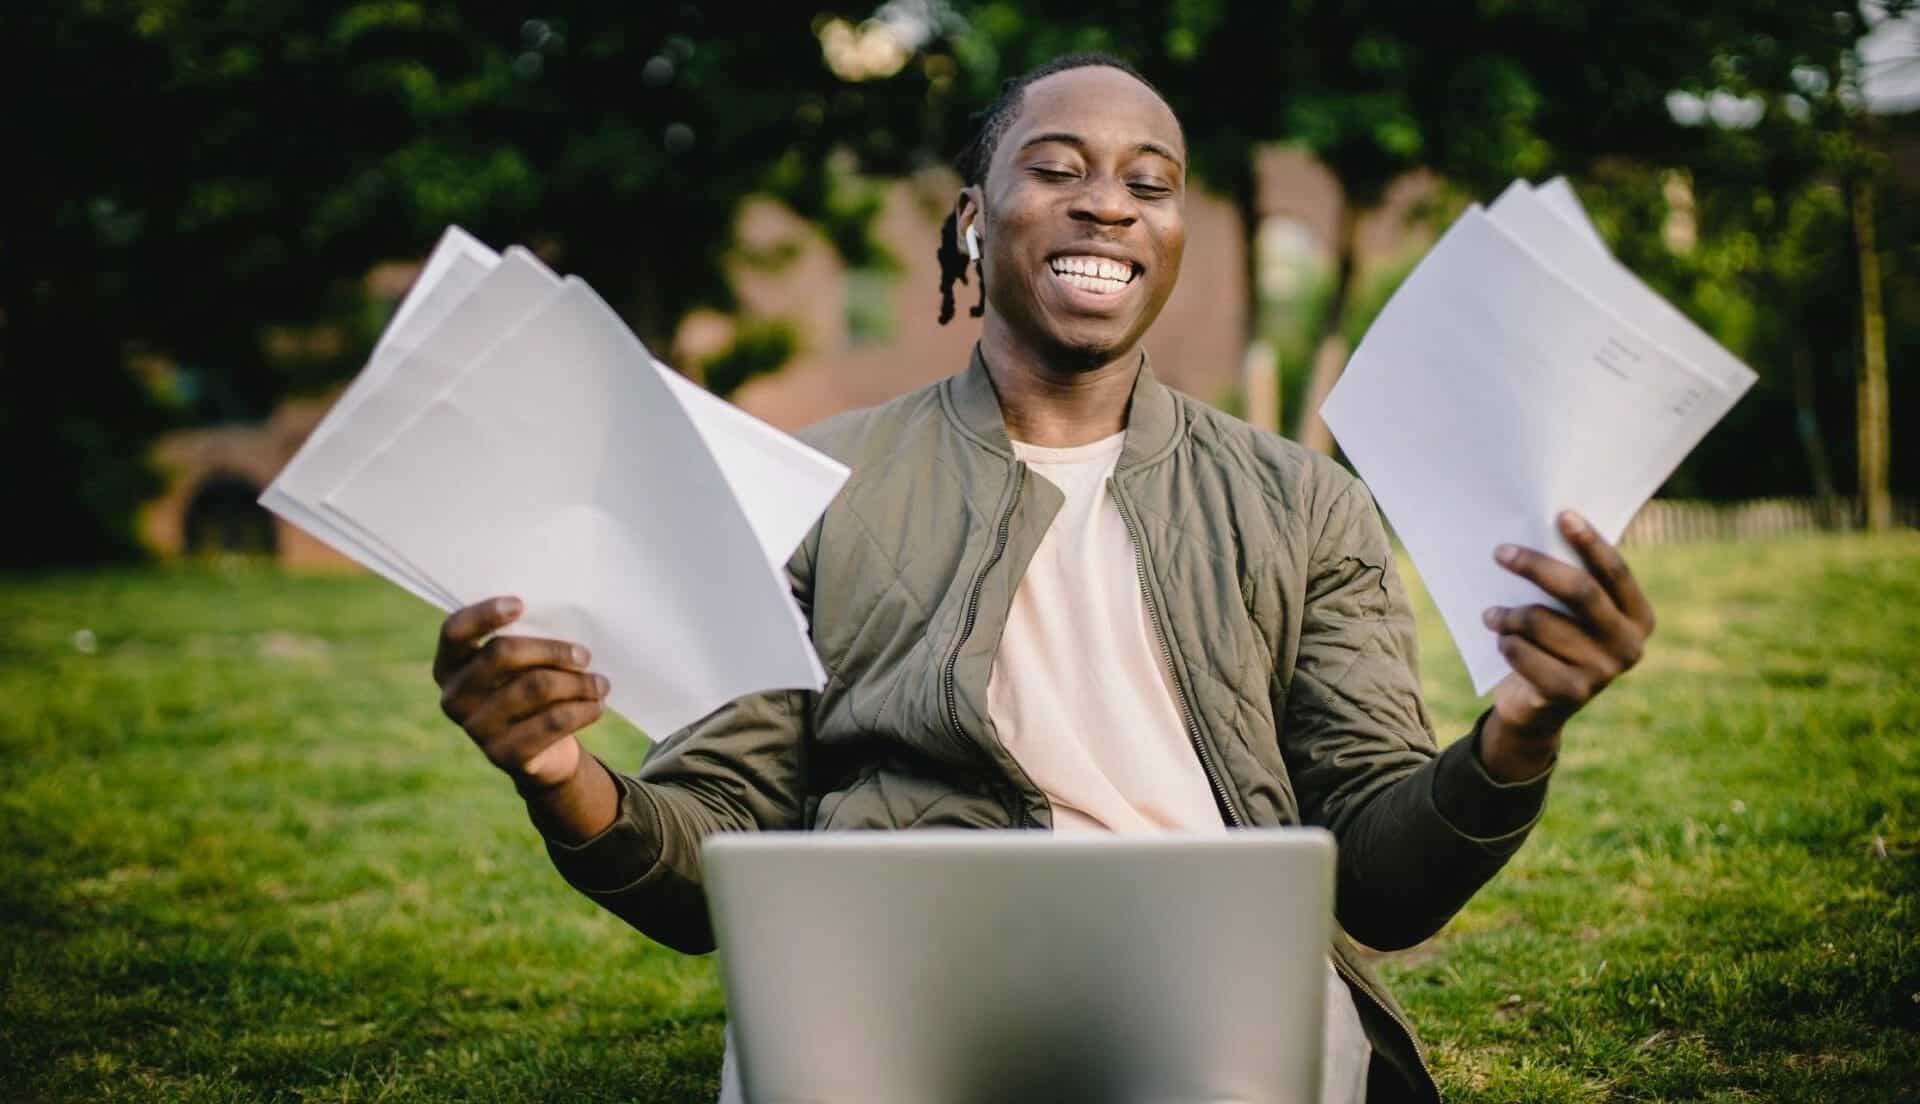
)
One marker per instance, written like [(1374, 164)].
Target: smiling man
[(1057, 595)]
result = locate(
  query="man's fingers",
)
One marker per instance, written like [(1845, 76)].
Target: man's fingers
[(465, 628), (1576, 588), (529, 693), (499, 661), (1558, 635), (533, 691), (1559, 684), (520, 743), (468, 626), (1609, 567), (503, 657)]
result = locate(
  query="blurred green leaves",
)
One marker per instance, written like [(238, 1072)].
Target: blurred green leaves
[(759, 346), (204, 171), (197, 172)]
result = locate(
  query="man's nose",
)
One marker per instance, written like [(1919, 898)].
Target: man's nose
[(1106, 201)]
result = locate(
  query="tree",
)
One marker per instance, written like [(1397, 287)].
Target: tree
[(1483, 94), (203, 175), (1479, 94), (1782, 260)]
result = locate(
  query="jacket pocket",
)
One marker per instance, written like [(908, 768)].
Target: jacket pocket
[(880, 798), (829, 804)]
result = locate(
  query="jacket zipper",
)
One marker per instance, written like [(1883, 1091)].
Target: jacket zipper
[(972, 612), (1354, 979), (1207, 764)]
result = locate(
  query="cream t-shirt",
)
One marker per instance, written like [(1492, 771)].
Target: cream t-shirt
[(1081, 696), (1079, 691)]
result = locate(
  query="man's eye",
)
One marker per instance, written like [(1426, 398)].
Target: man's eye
[(1048, 172), (1147, 189)]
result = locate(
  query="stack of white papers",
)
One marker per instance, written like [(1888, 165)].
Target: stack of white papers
[(1521, 370), (511, 436)]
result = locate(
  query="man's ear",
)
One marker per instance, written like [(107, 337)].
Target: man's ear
[(966, 212)]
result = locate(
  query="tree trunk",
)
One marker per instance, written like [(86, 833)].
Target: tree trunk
[(1807, 423), (1259, 370), (1260, 384), (1871, 400), (1330, 347)]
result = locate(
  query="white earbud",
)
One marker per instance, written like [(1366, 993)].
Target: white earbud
[(973, 244)]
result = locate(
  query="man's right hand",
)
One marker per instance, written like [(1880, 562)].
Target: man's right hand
[(521, 699)]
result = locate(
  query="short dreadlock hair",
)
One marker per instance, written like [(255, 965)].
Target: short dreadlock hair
[(991, 125)]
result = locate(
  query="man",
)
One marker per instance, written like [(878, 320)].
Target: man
[(1056, 594)]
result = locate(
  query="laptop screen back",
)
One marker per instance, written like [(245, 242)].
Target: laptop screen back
[(957, 967)]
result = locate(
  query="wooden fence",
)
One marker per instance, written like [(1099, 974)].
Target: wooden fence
[(1672, 521)]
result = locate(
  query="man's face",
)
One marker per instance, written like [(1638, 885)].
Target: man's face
[(1082, 230)]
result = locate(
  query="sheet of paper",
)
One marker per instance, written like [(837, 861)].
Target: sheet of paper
[(781, 484), (490, 310), (563, 467), (1528, 216), (457, 264), (1559, 197), (440, 283), (1490, 394)]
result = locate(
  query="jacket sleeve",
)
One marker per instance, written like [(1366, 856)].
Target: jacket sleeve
[(1419, 830), (741, 768)]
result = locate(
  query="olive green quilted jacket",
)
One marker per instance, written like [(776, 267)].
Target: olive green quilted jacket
[(1271, 583)]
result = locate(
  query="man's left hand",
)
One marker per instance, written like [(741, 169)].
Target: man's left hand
[(1560, 660)]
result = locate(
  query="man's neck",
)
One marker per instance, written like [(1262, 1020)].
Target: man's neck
[(1054, 408)]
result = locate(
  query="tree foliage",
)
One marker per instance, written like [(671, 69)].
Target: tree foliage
[(197, 177), (201, 174), (1486, 92)]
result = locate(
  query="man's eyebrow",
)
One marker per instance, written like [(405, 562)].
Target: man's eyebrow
[(1068, 138)]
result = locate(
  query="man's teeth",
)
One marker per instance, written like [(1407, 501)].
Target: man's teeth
[(1093, 273)]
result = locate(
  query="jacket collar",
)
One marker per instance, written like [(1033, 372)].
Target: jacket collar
[(1154, 420)]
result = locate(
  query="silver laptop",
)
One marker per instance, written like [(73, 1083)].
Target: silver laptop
[(955, 967)]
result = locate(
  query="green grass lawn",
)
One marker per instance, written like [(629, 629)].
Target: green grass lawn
[(247, 859)]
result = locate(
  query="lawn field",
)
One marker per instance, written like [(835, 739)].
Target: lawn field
[(245, 858)]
